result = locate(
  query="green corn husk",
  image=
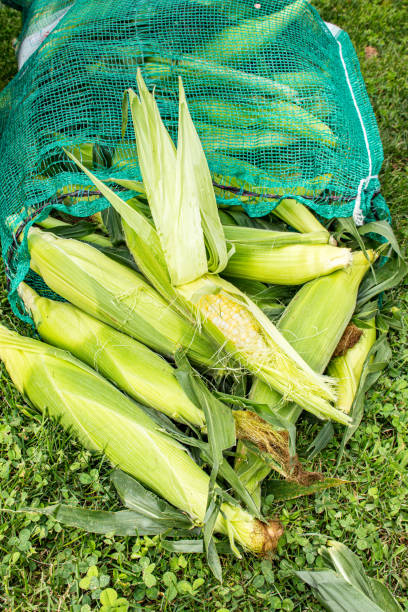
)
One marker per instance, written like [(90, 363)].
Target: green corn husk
[(216, 138), (185, 204), (314, 328), (311, 324), (298, 216), (50, 223), (133, 367), (250, 35), (115, 294), (194, 69), (288, 265), (106, 420), (348, 368), (270, 238), (279, 116)]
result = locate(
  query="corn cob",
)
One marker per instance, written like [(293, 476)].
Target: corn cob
[(288, 265), (114, 294), (191, 68), (348, 368), (315, 337), (255, 184), (134, 368), (304, 79), (106, 420), (216, 138), (314, 328)]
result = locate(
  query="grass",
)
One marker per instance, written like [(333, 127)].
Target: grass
[(46, 567)]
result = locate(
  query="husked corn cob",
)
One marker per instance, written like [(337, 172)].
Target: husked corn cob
[(254, 342), (234, 321)]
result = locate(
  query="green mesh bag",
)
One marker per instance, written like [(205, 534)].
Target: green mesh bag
[(276, 95)]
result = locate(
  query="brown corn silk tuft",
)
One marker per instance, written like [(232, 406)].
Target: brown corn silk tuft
[(351, 336), (272, 532), (251, 427)]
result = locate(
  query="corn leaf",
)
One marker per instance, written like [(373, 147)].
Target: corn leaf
[(383, 229), (348, 588), (231, 477), (120, 523), (211, 515), (348, 565), (322, 439), (101, 156), (336, 594), (389, 275), (348, 226), (76, 230), (283, 490), (193, 546), (128, 184), (121, 254), (145, 503), (113, 224), (219, 419), (383, 597)]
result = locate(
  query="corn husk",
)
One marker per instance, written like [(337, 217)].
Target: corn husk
[(288, 265), (114, 294), (296, 215)]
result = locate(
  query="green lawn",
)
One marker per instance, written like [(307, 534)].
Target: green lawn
[(43, 565)]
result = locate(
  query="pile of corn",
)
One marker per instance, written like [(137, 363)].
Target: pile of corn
[(261, 307)]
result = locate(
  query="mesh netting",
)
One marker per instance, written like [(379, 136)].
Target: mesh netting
[(276, 95)]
